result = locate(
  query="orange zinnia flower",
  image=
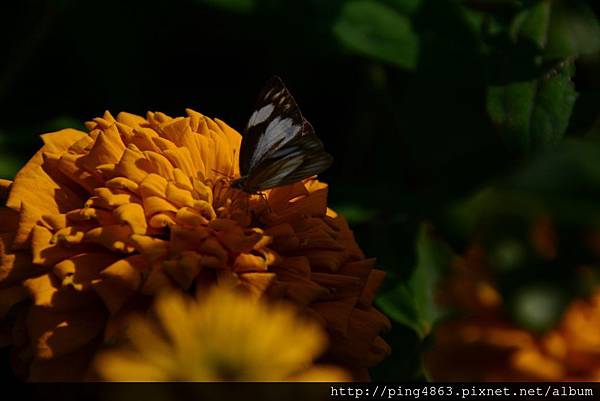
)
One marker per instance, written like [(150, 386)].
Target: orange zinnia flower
[(485, 344), (223, 337), (96, 224)]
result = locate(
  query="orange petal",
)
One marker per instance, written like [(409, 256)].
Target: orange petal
[(10, 221), (54, 222), (280, 196), (4, 189), (337, 314), (67, 368), (80, 270), (182, 180), (534, 363), (119, 282), (191, 218), (256, 284), (360, 268), (113, 295), (360, 346), (326, 260), (14, 266), (127, 272), (184, 239), (54, 334), (156, 281), (60, 141), (341, 286), (107, 199), (46, 291), (108, 148), (49, 197), (184, 270), (151, 248), (284, 237), (246, 262), (212, 247), (235, 140), (122, 183), (373, 283), (146, 139), (133, 165), (161, 220), (304, 292), (9, 297), (314, 204), (294, 267), (28, 218), (47, 253), (115, 238), (154, 205), (321, 373), (179, 197), (159, 164), (131, 120), (132, 214), (154, 185), (182, 158), (238, 240), (70, 165)]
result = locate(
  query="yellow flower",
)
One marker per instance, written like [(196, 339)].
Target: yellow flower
[(96, 224), (222, 337), (486, 345)]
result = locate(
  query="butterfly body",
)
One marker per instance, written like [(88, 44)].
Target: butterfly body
[(279, 146), (240, 183)]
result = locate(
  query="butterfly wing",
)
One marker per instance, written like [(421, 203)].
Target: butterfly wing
[(276, 121), (302, 157)]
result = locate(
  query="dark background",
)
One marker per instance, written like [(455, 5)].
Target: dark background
[(401, 93)]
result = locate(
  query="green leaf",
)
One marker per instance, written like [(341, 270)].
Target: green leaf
[(409, 7), (240, 6), (533, 114), (400, 305), (574, 30), (533, 111), (572, 169), (412, 303), (562, 183), (377, 31), (62, 122), (532, 24), (355, 213), (9, 165)]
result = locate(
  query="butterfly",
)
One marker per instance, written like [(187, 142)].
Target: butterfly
[(279, 145)]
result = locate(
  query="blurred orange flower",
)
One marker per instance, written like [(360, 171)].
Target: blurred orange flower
[(486, 345), (223, 337), (96, 224)]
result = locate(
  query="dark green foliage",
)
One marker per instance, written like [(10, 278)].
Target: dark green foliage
[(534, 114), (412, 302), (378, 31)]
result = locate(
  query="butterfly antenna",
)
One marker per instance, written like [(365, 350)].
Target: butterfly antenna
[(264, 198), (223, 174)]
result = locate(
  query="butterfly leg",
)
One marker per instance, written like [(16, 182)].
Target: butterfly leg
[(264, 198), (223, 174)]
